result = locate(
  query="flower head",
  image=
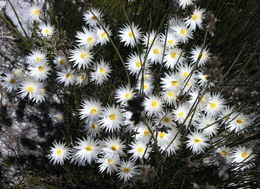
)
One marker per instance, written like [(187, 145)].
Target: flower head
[(59, 153)]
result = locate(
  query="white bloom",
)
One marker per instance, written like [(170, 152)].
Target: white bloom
[(165, 119), (181, 113), (155, 54), (113, 147), (35, 57), (242, 155), (35, 12), (92, 16), (205, 55), (208, 125), (134, 64), (172, 40), (59, 153), (143, 134), (60, 61), (101, 73), (111, 119), (184, 71), (81, 78), (149, 38), (184, 3), (66, 76), (85, 151), (9, 82), (90, 110), (214, 105), (92, 127), (182, 32), (171, 82), (153, 105), (39, 71), (169, 96), (139, 150), (238, 122), (130, 35), (123, 94), (46, 30), (195, 20), (86, 38), (173, 57), (108, 164), (81, 57), (127, 170), (197, 142), (225, 152), (103, 35), (34, 90)]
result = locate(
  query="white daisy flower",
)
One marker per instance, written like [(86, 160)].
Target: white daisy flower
[(108, 164), (207, 125), (195, 95), (238, 122), (155, 54), (202, 79), (103, 35), (81, 57), (85, 151), (46, 30), (214, 105), (39, 71), (171, 82), (66, 76), (153, 105), (111, 119), (123, 94), (225, 152), (169, 97), (227, 114), (92, 127), (181, 112), (205, 55), (127, 170), (195, 20), (149, 38), (101, 73), (130, 35), (113, 147), (36, 57), (86, 38), (90, 110), (197, 142), (143, 134), (81, 78), (172, 40), (34, 90), (138, 150), (35, 12), (182, 32), (134, 64), (184, 3), (92, 16), (184, 70), (242, 154), (9, 82), (60, 61), (165, 119), (59, 153)]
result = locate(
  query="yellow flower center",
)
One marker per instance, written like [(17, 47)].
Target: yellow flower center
[(140, 149), (185, 74), (174, 55), (146, 86), (244, 155), (166, 120), (194, 17), (128, 95), (94, 126), (90, 39), (181, 114), (213, 105), (38, 59), (12, 81), (175, 83), (83, 55), (171, 42), (183, 31), (110, 161), (197, 140), (82, 77), (102, 70), (156, 51), (126, 170), (68, 75), (131, 34), (146, 132), (37, 12), (224, 153), (94, 17), (138, 64), (103, 34), (93, 110), (59, 151), (41, 69), (240, 121), (62, 61), (171, 94), (112, 117), (205, 76), (47, 31), (154, 104), (88, 148), (30, 89), (114, 147), (162, 134), (203, 55)]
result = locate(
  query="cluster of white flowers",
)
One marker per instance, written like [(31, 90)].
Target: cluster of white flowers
[(162, 110)]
